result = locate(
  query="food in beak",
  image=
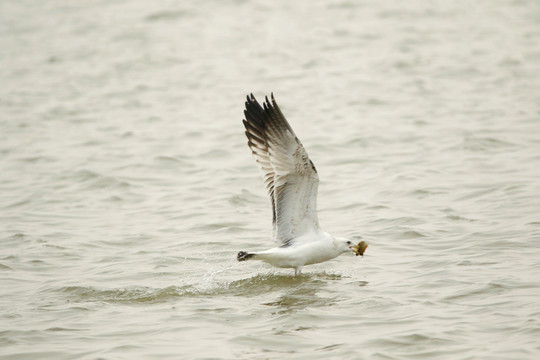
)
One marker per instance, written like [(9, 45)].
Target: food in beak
[(360, 248)]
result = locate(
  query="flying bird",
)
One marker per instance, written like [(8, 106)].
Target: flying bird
[(292, 183)]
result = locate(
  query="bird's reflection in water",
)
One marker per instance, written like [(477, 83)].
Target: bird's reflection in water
[(303, 294)]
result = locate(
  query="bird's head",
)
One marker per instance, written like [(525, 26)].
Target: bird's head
[(347, 245)]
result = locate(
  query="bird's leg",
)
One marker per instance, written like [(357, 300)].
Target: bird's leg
[(297, 270)]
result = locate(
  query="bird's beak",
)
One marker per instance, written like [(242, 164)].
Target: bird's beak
[(360, 248)]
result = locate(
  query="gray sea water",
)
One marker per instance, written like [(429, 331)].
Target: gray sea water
[(127, 187)]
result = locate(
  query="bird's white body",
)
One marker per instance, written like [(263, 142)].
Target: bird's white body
[(310, 248)]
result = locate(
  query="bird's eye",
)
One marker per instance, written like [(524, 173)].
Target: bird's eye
[(348, 243)]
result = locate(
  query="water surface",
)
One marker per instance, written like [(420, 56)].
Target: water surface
[(127, 188)]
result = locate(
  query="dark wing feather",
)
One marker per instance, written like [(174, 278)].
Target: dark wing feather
[(289, 175)]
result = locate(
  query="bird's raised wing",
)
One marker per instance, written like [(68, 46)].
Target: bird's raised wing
[(289, 175)]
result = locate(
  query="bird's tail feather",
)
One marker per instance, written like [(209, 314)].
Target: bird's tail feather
[(243, 256)]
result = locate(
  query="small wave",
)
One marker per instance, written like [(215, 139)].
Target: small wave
[(175, 160), (456, 217), (483, 293), (264, 283), (17, 236), (130, 296), (61, 329), (253, 286), (412, 340), (482, 144), (477, 193), (296, 292), (166, 15), (91, 180), (424, 193), (245, 197), (5, 267), (214, 154), (227, 227), (269, 281), (401, 220), (37, 159), (411, 234)]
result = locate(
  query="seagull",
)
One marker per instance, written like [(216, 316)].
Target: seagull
[(292, 182)]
